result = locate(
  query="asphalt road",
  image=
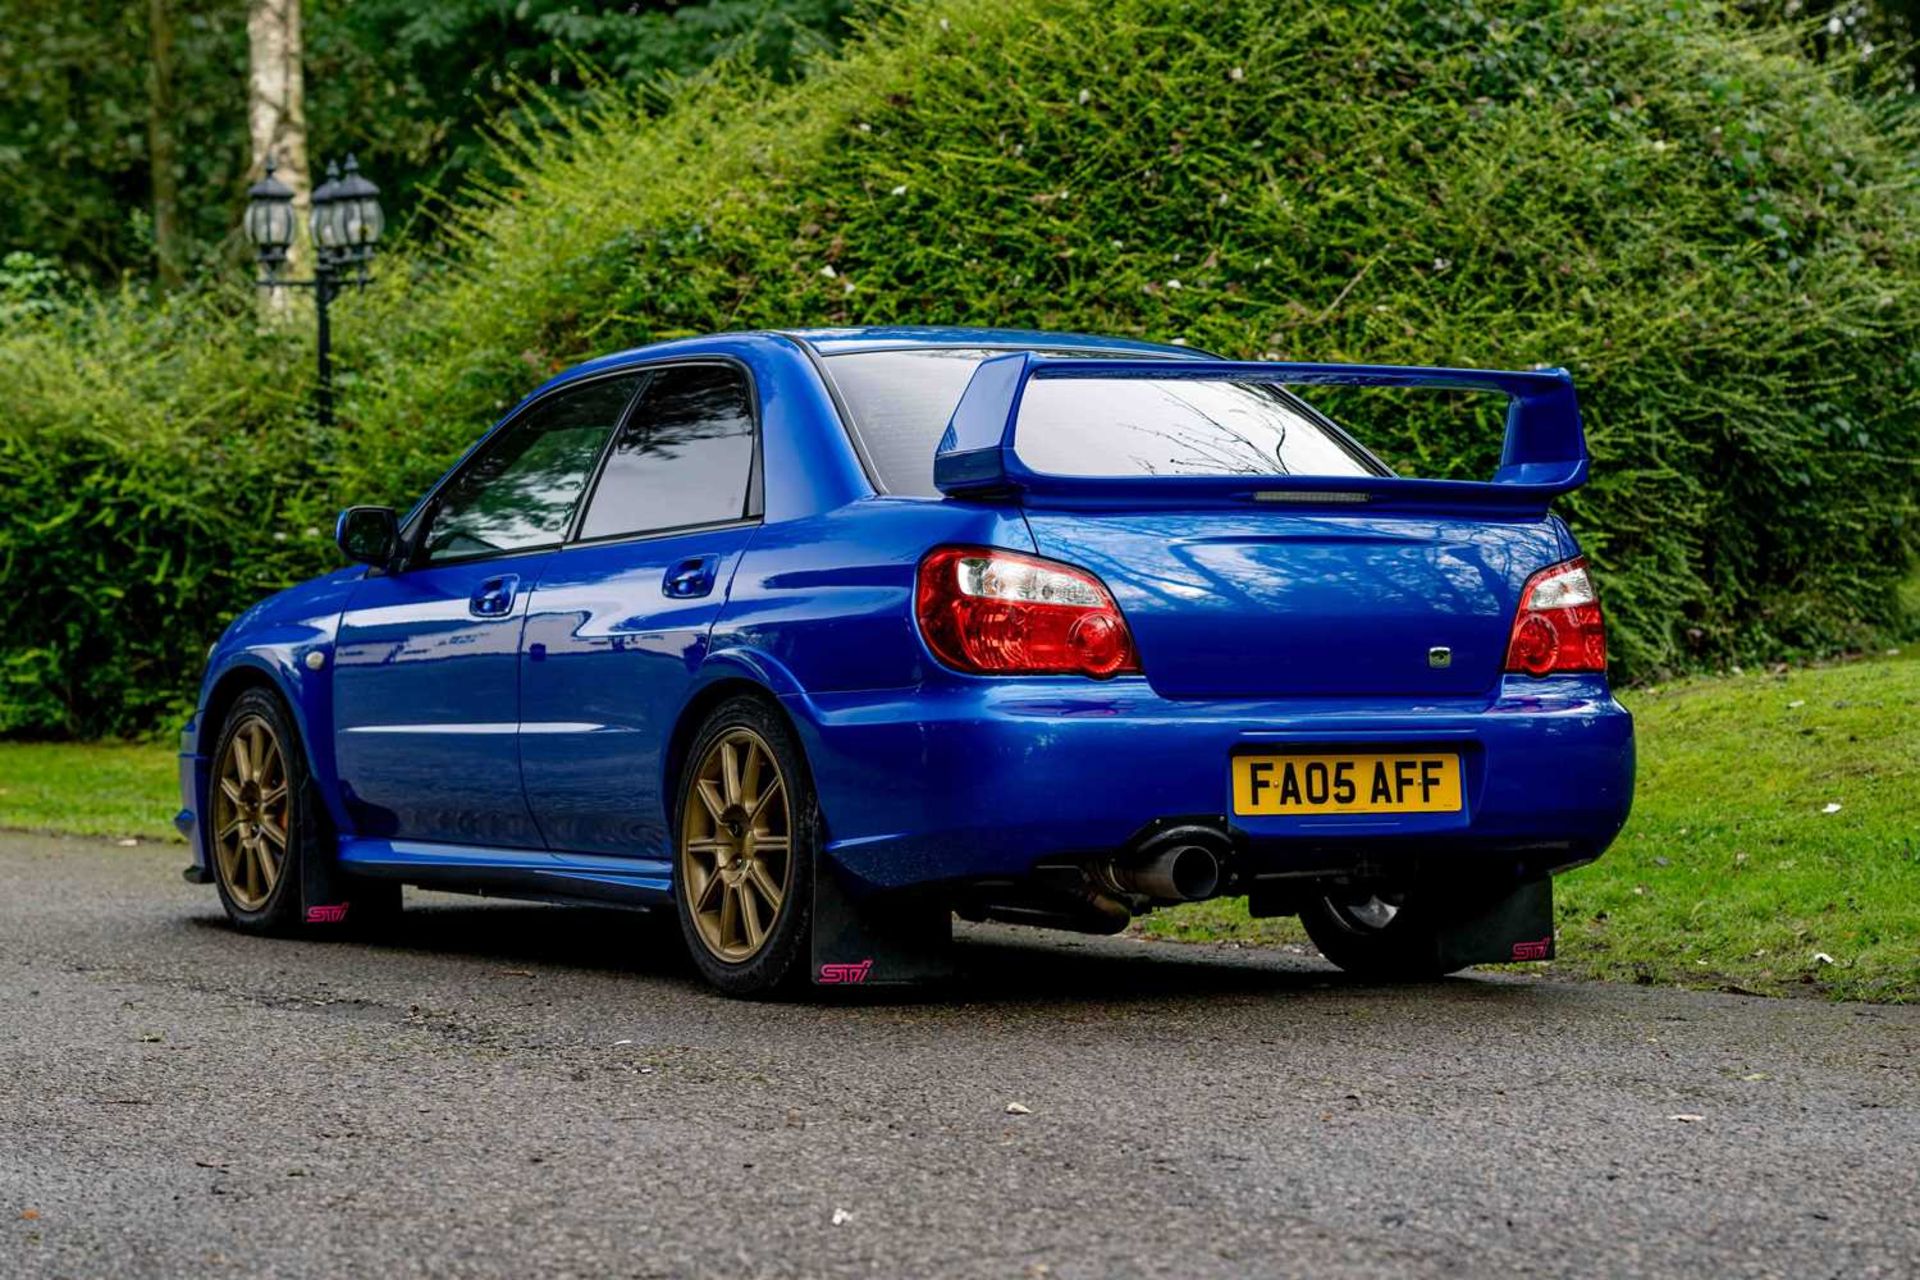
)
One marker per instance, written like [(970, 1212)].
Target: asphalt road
[(519, 1090)]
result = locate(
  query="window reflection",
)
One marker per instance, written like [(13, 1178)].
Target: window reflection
[(684, 458), (520, 492), (1173, 427)]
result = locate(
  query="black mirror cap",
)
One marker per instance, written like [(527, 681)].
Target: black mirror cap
[(368, 535)]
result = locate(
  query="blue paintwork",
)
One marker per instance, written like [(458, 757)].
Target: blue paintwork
[(510, 722), (426, 695), (1545, 760), (611, 658)]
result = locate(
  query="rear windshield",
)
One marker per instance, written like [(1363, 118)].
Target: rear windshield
[(1175, 427), (900, 402)]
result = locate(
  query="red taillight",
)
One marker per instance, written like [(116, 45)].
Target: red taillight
[(1003, 613), (1558, 627)]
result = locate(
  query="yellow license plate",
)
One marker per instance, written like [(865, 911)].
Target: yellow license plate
[(1396, 783)]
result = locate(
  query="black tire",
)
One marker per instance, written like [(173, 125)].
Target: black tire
[(372, 905), (1345, 925), (781, 962)]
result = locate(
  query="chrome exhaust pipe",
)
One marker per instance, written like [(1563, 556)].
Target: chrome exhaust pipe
[(1177, 873)]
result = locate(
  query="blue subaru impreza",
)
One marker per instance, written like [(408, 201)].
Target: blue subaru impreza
[(823, 637)]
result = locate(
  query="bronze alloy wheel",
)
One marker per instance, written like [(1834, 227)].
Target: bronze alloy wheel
[(250, 813), (736, 845)]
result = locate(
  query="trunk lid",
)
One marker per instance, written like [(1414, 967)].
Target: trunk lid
[(1255, 549), (1266, 603)]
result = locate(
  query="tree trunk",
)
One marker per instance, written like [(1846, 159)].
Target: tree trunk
[(162, 164), (277, 114)]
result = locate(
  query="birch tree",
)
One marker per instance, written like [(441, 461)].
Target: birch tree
[(277, 115)]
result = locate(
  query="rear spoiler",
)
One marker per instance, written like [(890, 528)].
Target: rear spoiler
[(1545, 453)]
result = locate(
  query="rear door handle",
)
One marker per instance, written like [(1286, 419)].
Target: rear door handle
[(494, 599), (691, 578)]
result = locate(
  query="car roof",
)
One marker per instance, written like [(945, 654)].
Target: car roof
[(833, 342)]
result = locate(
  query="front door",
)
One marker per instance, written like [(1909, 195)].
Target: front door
[(426, 670), (619, 622)]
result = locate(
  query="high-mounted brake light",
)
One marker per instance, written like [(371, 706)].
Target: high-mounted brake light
[(1003, 613), (1558, 627)]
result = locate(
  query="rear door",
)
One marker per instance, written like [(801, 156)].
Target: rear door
[(1245, 598), (619, 622), (426, 672)]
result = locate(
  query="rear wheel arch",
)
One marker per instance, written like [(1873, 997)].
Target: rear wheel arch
[(694, 715)]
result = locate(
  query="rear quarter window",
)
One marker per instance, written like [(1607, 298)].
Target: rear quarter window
[(900, 402)]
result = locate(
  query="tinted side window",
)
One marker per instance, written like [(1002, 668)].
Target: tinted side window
[(520, 491), (685, 457), (900, 402)]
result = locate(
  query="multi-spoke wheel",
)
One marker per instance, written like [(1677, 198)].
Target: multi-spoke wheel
[(255, 815), (744, 853), (251, 807), (736, 845)]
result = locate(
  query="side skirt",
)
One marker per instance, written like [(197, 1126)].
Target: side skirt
[(529, 873)]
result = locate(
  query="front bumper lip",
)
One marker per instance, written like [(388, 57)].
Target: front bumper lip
[(194, 770), (984, 779)]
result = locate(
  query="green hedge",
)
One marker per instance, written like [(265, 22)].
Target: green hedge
[(1720, 242)]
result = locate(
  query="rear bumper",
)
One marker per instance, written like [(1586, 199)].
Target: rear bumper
[(984, 779)]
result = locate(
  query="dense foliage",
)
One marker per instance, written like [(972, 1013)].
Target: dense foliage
[(74, 106), (1722, 245), (408, 84)]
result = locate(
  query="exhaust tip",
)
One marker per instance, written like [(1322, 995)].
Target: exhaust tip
[(1179, 871), (1193, 871)]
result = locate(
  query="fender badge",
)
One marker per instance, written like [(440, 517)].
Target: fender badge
[(1439, 657)]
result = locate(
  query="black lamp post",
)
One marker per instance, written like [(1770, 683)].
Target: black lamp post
[(345, 228)]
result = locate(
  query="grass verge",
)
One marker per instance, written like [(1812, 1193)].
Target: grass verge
[(1732, 873), (119, 789), (1736, 871)]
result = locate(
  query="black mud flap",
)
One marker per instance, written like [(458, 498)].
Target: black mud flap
[(872, 939), (326, 900), (1518, 926), (331, 901)]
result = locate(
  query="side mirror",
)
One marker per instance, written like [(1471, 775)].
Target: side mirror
[(368, 535)]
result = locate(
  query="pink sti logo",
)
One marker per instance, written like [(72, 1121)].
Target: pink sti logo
[(835, 974), (1533, 950), (327, 915)]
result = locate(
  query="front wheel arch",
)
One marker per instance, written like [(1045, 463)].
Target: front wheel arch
[(227, 690)]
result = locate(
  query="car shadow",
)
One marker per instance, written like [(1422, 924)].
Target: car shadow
[(999, 965)]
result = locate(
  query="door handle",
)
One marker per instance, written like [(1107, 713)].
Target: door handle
[(691, 578), (494, 599)]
